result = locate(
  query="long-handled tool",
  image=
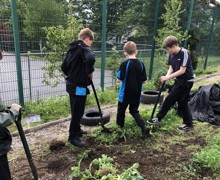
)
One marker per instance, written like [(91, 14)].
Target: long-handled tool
[(104, 129), (158, 98), (26, 147), (155, 106)]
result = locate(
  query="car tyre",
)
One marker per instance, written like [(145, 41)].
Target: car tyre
[(92, 117), (150, 97)]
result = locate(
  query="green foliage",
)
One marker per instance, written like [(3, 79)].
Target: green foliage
[(109, 96), (209, 157), (171, 19), (157, 75), (110, 139), (58, 38), (58, 107), (192, 43), (113, 63), (132, 173), (148, 85), (103, 168), (38, 12), (48, 109)]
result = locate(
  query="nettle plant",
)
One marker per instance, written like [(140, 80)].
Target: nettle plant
[(103, 168)]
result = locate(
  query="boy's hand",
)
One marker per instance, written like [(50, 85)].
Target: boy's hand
[(164, 78), (90, 76), (16, 107), (118, 81)]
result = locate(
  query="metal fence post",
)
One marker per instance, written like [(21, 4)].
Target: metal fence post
[(17, 50), (154, 34), (29, 78), (104, 11), (210, 37), (189, 20)]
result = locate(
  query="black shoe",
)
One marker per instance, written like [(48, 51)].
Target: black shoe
[(153, 121), (81, 133), (145, 132), (185, 127), (77, 142)]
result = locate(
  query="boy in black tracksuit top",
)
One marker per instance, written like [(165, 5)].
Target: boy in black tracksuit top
[(78, 76), (132, 74), (180, 68)]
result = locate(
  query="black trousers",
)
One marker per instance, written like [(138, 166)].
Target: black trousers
[(77, 104), (133, 109), (180, 94), (4, 168)]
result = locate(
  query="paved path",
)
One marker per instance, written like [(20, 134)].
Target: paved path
[(33, 75)]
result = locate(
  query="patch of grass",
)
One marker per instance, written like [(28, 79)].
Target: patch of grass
[(209, 156), (59, 107)]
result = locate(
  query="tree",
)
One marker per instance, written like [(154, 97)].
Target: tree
[(91, 13), (58, 38), (171, 26), (39, 14), (171, 19)]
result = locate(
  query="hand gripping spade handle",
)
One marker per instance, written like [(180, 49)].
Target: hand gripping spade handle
[(26, 147)]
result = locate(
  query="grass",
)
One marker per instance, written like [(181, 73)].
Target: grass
[(58, 107)]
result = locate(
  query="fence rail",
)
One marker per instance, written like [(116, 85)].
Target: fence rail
[(32, 77)]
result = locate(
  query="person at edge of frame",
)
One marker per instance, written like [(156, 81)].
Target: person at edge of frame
[(180, 68), (6, 118), (132, 75), (78, 76)]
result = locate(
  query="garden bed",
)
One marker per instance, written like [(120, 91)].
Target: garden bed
[(164, 156)]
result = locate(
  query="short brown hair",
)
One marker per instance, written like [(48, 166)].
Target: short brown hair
[(86, 33), (169, 41), (130, 47)]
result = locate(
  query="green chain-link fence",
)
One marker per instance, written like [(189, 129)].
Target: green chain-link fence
[(125, 20)]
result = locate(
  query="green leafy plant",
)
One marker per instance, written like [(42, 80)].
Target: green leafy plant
[(103, 168), (58, 38), (132, 173), (113, 63)]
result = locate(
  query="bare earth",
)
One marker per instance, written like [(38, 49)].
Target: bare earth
[(54, 158)]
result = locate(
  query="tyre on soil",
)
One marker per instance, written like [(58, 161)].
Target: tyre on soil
[(150, 97), (92, 117)]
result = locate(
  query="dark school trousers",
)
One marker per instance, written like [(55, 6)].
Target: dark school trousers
[(77, 105), (133, 110), (4, 168), (179, 93)]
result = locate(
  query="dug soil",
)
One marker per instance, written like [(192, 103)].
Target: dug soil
[(53, 157)]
